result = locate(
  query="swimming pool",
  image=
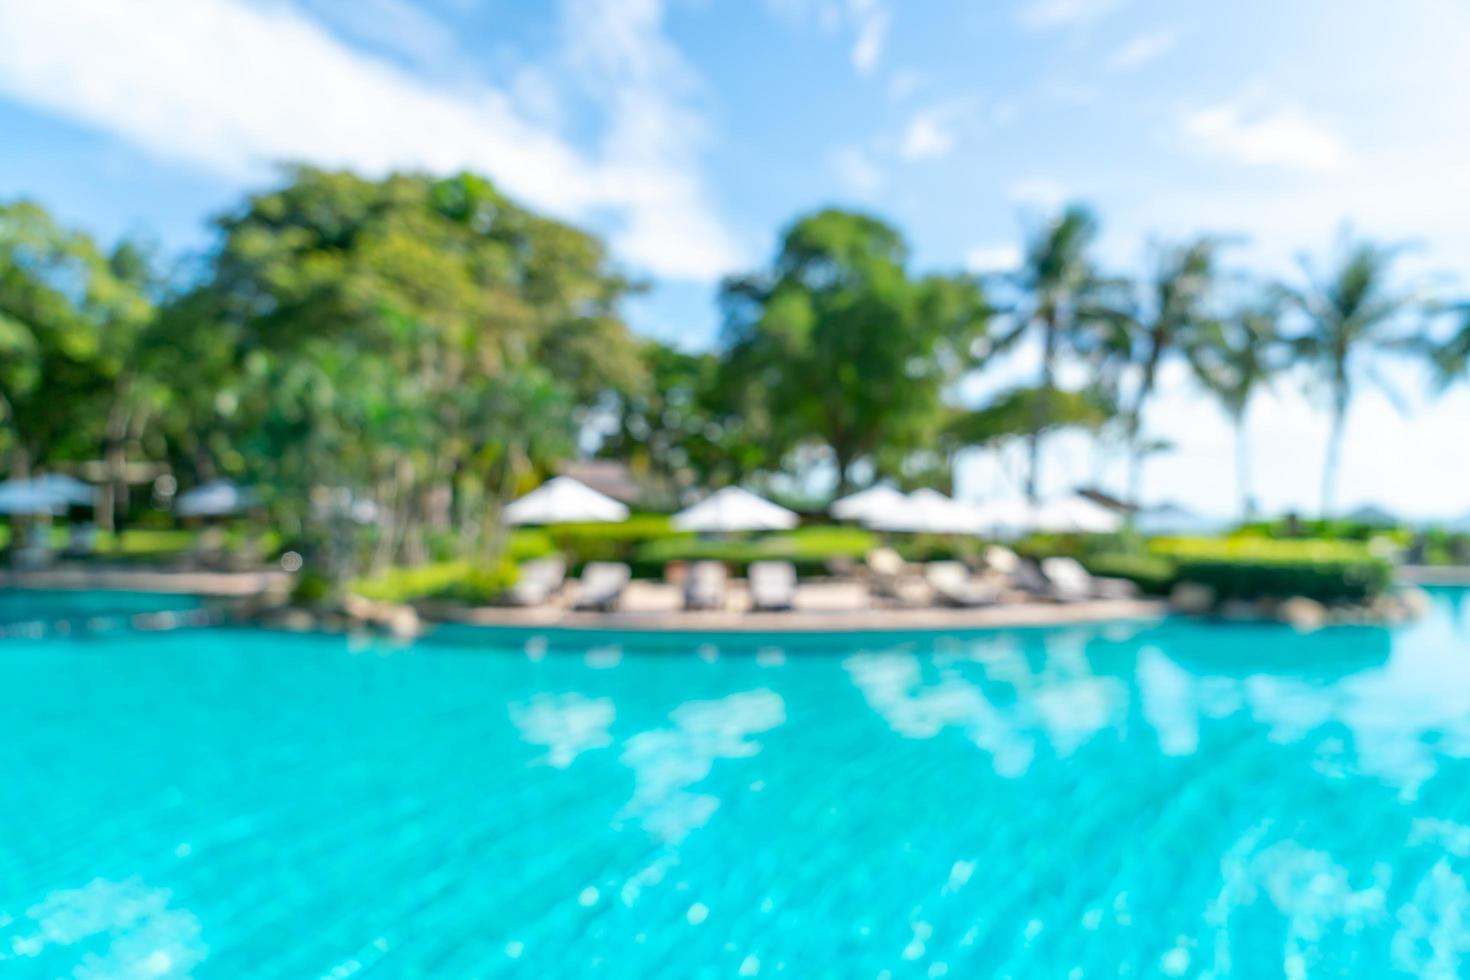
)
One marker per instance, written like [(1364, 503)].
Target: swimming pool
[(1165, 799)]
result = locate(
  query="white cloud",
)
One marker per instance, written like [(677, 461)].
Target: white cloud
[(1276, 137), (1054, 14), (1141, 49), (857, 171), (993, 258), (231, 88), (1039, 192), (393, 25), (930, 133), (868, 20)]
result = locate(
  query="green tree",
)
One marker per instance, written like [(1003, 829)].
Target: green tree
[(1173, 312), (1233, 358), (1064, 304), (846, 347), (384, 336), (1347, 314), (71, 319)]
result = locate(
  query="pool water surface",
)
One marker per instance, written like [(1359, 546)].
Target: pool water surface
[(1163, 799)]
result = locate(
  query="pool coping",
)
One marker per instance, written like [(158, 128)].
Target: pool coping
[(894, 620)]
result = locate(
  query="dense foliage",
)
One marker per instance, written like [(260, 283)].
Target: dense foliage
[(388, 361)]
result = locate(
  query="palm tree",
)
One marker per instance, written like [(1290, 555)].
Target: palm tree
[(1174, 314), (1056, 279), (1354, 310), (1233, 359)]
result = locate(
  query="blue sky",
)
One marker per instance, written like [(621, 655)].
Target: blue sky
[(689, 131)]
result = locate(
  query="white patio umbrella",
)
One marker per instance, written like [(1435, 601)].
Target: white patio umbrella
[(29, 497), (1075, 515), (928, 512), (734, 509), (870, 504), (74, 492), (563, 500), (1175, 519), (1005, 517), (217, 498)]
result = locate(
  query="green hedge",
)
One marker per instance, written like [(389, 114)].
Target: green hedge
[(581, 543), (811, 549), (1153, 574), (1253, 568), (458, 581)]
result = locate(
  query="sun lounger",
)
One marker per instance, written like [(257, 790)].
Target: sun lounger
[(772, 585), (953, 585), (704, 586), (1070, 582), (602, 585), (1028, 578), (539, 581), (887, 572), (1001, 561)]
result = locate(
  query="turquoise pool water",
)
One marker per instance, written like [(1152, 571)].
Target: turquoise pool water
[(1148, 800)]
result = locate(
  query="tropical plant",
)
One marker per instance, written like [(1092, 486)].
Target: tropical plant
[(71, 319), (1060, 303), (1233, 358), (1354, 309), (844, 345), (1167, 321), (396, 338)]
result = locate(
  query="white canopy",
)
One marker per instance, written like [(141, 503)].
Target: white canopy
[(1174, 519), (928, 512), (30, 497), (563, 500), (216, 498), (871, 504), (1075, 515), (734, 509), (74, 492), (1005, 517)]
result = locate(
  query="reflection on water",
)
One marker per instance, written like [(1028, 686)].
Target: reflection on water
[(567, 724), (1175, 799), (667, 762), (105, 929)]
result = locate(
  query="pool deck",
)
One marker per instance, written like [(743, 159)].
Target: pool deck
[(1435, 574), (821, 607), (199, 582)]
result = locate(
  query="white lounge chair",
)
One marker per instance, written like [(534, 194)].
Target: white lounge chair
[(602, 585), (953, 585), (704, 586), (772, 585), (887, 572), (1070, 582), (540, 579)]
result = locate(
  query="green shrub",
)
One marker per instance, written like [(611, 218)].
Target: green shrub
[(810, 549), (581, 543), (1251, 568), (1153, 574), (457, 581), (528, 543), (310, 588)]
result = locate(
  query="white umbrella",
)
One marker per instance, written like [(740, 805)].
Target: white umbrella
[(734, 509), (1005, 518), (1174, 519), (216, 498), (71, 490), (563, 500), (870, 504), (1076, 515), (928, 512), (29, 497)]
